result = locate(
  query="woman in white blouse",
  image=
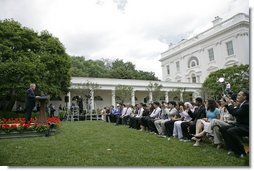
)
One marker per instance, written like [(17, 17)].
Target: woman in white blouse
[(185, 117)]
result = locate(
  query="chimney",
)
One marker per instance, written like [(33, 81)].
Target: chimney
[(170, 45), (216, 20)]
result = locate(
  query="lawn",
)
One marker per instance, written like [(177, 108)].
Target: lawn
[(96, 143)]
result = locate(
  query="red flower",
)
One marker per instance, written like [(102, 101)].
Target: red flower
[(16, 120), (19, 123), (27, 125), (13, 125), (6, 126)]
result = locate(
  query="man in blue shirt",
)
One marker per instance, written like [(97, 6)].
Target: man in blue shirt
[(115, 112)]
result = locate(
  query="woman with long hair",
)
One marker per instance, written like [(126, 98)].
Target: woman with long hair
[(202, 125)]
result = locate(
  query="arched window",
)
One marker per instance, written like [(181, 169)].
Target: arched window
[(193, 61), (98, 98)]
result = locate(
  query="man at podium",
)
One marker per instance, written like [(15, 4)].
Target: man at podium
[(30, 101)]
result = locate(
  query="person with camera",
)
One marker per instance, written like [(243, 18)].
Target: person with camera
[(232, 134)]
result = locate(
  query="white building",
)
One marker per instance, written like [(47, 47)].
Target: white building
[(225, 44), (104, 94), (184, 67)]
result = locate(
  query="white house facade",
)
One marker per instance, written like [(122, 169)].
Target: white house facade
[(104, 94), (184, 67), (225, 44)]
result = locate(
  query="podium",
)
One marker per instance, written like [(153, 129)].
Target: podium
[(42, 115)]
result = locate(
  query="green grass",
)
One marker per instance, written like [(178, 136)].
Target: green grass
[(87, 143)]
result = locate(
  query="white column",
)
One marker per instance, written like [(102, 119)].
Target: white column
[(133, 98), (181, 96), (166, 96), (69, 103), (113, 97), (92, 99), (150, 97), (195, 94)]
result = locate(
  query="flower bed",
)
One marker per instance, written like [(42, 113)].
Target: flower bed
[(15, 127)]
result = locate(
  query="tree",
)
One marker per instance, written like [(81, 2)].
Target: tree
[(107, 69), (88, 68), (123, 92), (122, 70), (237, 76), (28, 57), (155, 89), (175, 94)]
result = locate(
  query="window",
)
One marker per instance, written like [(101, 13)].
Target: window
[(177, 66), (211, 54), (192, 62), (168, 70), (230, 48), (193, 78)]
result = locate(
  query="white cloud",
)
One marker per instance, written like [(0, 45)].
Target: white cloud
[(120, 4), (132, 30)]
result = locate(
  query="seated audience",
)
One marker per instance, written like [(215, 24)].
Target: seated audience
[(212, 112), (189, 128), (155, 114), (232, 134), (126, 116), (103, 114), (160, 122), (169, 125), (123, 112), (185, 117), (115, 112), (135, 120), (225, 119)]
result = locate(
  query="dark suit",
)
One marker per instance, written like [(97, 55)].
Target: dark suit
[(233, 134), (30, 103), (199, 113)]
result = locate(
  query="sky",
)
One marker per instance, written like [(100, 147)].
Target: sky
[(132, 30)]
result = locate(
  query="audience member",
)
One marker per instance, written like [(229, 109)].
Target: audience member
[(185, 117), (160, 122), (103, 114), (212, 112), (232, 134), (123, 112), (173, 116), (115, 113), (199, 112), (135, 120), (153, 115), (126, 116), (225, 120)]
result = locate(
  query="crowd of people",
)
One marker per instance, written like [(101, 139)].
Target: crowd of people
[(225, 122)]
